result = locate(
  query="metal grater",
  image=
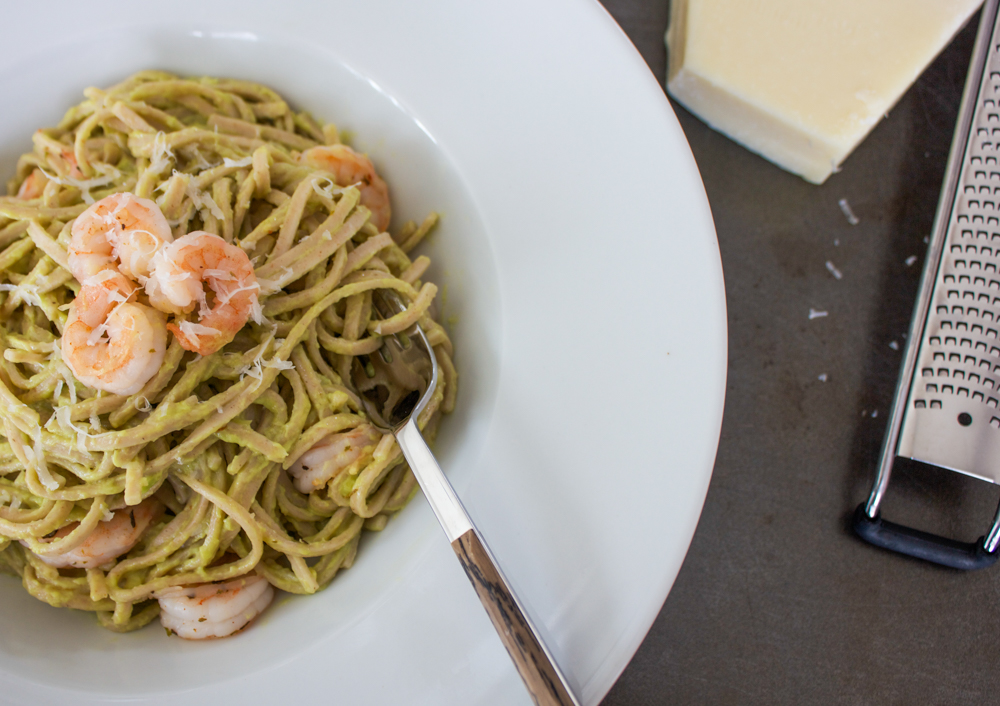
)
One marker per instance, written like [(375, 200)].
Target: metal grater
[(946, 411)]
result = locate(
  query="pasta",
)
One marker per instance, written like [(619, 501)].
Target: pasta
[(253, 461)]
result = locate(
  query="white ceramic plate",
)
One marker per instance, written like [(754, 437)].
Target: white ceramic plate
[(583, 274)]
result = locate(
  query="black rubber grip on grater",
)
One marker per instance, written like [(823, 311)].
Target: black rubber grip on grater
[(922, 545)]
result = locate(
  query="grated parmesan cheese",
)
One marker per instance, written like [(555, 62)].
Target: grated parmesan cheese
[(218, 274), (245, 162), (256, 312), (26, 292), (41, 467), (109, 173), (845, 208), (203, 200), (62, 415), (331, 189), (162, 155), (255, 369), (193, 153), (100, 278), (190, 328)]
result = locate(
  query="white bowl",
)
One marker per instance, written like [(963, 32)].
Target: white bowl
[(583, 276)]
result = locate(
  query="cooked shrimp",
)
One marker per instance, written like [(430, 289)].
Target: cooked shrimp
[(62, 160), (181, 269), (109, 342), (119, 227), (349, 167), (213, 609), (33, 185), (331, 455), (110, 539)]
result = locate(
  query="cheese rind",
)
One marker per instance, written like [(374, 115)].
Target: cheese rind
[(801, 82)]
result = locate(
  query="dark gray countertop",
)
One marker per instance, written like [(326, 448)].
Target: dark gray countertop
[(778, 602)]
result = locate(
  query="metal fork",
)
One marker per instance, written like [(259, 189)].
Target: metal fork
[(395, 384)]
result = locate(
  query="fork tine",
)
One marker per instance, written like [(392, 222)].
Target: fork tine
[(398, 382)]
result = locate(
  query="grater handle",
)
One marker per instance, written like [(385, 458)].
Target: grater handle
[(922, 545)]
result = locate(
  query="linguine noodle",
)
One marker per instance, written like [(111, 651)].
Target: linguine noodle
[(211, 438)]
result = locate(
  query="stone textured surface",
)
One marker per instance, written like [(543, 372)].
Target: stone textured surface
[(778, 602)]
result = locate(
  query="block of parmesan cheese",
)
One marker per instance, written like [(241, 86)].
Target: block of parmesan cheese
[(801, 82)]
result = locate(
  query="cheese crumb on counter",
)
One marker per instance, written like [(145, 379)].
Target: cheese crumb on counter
[(848, 212), (801, 82)]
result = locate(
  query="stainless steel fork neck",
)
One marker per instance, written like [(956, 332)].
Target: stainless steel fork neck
[(440, 495)]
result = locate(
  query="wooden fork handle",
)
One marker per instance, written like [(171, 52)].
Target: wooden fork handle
[(532, 661)]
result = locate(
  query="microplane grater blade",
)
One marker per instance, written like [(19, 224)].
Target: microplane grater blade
[(952, 414)]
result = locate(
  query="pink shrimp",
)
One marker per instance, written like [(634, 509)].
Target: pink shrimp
[(182, 268), (120, 227), (349, 167), (331, 455), (62, 160), (109, 342), (213, 609), (110, 538), (33, 185)]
